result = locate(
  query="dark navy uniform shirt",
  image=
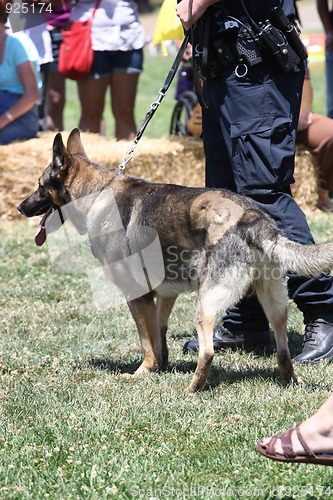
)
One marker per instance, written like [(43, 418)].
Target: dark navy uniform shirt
[(258, 9)]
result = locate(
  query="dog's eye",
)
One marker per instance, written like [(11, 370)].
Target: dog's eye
[(55, 175), (42, 189)]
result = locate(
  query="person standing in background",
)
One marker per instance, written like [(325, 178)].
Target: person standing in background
[(118, 39), (56, 19)]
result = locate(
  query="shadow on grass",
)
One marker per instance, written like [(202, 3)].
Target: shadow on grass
[(187, 364), (114, 366), (295, 339), (217, 376), (220, 375)]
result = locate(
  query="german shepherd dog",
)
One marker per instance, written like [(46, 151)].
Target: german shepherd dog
[(232, 248)]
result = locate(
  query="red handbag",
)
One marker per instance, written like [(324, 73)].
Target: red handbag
[(76, 54)]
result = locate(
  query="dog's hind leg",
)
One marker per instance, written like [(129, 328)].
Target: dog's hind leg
[(143, 311), (204, 325), (164, 307), (211, 301), (273, 296)]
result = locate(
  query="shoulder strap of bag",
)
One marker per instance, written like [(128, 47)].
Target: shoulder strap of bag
[(96, 7)]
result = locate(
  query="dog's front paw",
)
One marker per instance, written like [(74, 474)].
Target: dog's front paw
[(147, 366), (127, 376), (294, 380), (193, 388), (189, 391)]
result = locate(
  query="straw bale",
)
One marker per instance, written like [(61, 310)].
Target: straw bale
[(307, 179), (178, 160)]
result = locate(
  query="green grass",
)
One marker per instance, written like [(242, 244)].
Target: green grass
[(71, 426), (319, 90)]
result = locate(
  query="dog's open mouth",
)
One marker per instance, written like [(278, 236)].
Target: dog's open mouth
[(52, 220)]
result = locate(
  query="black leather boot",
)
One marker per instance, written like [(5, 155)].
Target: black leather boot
[(255, 341), (318, 340)]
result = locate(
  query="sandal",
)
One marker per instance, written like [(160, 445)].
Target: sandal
[(325, 206), (268, 450)]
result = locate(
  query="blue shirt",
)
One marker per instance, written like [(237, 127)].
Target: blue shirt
[(16, 53)]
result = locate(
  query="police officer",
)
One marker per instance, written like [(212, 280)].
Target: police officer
[(249, 134)]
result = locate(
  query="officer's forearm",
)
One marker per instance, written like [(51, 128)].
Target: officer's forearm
[(199, 7)]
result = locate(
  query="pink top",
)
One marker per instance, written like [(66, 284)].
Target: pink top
[(58, 17)]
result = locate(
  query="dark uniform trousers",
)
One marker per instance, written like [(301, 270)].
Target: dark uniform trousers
[(249, 135)]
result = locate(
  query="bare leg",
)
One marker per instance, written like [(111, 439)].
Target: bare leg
[(317, 432), (123, 93), (55, 101), (324, 202), (92, 97)]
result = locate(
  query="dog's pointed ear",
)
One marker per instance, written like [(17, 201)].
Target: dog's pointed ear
[(74, 143), (60, 154)]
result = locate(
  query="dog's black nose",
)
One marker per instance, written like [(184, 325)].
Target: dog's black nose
[(20, 208)]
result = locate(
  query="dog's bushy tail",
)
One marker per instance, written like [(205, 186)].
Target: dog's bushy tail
[(308, 260)]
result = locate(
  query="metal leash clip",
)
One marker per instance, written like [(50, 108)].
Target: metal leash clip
[(128, 155), (154, 105)]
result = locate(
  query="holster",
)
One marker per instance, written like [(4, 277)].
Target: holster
[(224, 51)]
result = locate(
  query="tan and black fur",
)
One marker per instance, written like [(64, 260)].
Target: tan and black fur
[(232, 248)]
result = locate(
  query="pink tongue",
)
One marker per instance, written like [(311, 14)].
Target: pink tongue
[(40, 236)]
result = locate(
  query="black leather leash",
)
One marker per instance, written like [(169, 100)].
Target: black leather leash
[(204, 37), (128, 155), (164, 89)]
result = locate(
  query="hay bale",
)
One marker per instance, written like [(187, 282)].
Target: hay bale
[(178, 160), (307, 179)]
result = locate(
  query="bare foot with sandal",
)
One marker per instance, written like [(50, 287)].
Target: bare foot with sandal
[(308, 442)]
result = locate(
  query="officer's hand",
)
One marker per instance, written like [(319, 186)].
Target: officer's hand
[(199, 7)]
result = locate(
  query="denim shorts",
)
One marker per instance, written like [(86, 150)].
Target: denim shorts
[(107, 62), (23, 127)]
